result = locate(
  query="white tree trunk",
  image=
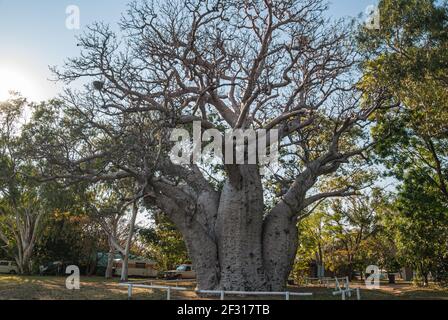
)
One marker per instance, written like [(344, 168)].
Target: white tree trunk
[(110, 260), (26, 231), (124, 268)]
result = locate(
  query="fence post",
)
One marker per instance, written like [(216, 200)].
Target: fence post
[(168, 294), (222, 294), (129, 291), (347, 284), (287, 295), (343, 295), (358, 294)]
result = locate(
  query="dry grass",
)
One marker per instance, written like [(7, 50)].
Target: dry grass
[(53, 288)]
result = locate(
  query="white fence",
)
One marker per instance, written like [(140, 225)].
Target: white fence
[(320, 281), (348, 292), (176, 282), (222, 294), (143, 286), (342, 287)]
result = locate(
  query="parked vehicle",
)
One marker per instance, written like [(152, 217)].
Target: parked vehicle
[(184, 271), (9, 267), (55, 268)]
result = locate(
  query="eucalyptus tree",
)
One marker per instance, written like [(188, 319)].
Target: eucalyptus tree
[(338, 236), (108, 205), (164, 243), (408, 57), (351, 224), (420, 228), (22, 200), (278, 66)]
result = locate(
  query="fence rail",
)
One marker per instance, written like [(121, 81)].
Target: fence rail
[(325, 281), (143, 286), (222, 293), (348, 292), (342, 288)]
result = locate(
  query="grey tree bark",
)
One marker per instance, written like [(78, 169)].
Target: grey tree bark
[(233, 241), (239, 228), (234, 245)]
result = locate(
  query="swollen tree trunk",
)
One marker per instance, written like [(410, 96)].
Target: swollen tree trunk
[(280, 240), (280, 233), (239, 229), (233, 244)]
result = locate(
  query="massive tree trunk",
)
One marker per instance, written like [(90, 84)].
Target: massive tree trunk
[(239, 229), (280, 240), (234, 241), (234, 245)]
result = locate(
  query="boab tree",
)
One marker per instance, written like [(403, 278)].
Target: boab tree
[(230, 65)]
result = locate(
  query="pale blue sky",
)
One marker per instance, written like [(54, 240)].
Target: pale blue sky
[(33, 36)]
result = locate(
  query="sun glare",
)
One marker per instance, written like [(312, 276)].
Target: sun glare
[(14, 79)]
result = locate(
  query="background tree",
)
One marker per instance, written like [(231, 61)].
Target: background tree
[(314, 237), (164, 243), (70, 237), (21, 220), (421, 225), (408, 57), (22, 201), (110, 203), (343, 235), (351, 223)]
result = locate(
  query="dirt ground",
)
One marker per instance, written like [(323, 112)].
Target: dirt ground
[(94, 288)]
